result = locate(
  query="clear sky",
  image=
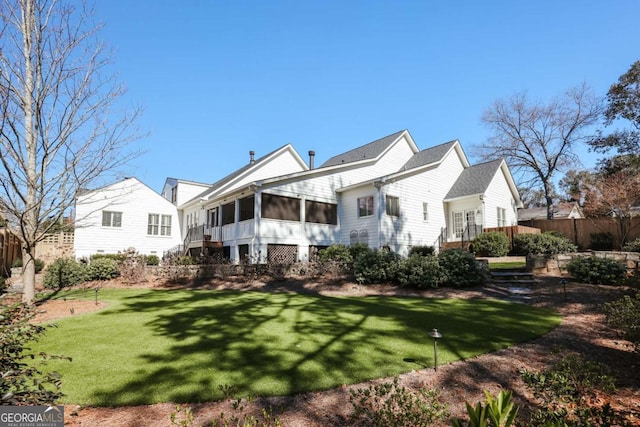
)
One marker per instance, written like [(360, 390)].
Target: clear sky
[(219, 78)]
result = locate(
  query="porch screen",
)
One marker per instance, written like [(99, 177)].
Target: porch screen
[(280, 207), (321, 213), (229, 213), (246, 208)]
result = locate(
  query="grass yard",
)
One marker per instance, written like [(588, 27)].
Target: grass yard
[(153, 346), (507, 265)]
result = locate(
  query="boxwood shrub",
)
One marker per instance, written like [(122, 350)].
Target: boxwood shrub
[(596, 270), (493, 244), (102, 269), (461, 269), (419, 271), (376, 266), (64, 272)]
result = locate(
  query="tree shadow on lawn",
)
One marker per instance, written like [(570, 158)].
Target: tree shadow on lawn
[(283, 344)]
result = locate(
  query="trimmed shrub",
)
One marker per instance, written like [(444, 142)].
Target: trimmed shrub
[(543, 244), (185, 260), (597, 271), (359, 249), (336, 253), (17, 263), (460, 269), (422, 250), (375, 266), (119, 257), (102, 269), (419, 272), (64, 272), (152, 260), (601, 241), (493, 243), (632, 246)]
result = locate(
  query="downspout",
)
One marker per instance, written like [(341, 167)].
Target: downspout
[(379, 184), (257, 203)]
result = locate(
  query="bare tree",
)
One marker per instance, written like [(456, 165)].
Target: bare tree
[(538, 140), (615, 196), (60, 130)]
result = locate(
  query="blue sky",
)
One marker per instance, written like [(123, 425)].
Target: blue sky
[(219, 78)]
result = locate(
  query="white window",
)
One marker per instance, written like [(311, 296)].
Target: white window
[(111, 219), (159, 224), (365, 206), (458, 223), (425, 211), (502, 217), (392, 205)]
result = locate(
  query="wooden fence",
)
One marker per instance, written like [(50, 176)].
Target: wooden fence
[(582, 231), (9, 250)]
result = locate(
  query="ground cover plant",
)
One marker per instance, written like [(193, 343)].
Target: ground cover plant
[(153, 346)]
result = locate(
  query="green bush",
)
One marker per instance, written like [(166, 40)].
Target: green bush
[(336, 253), (492, 244), (565, 391), (359, 249), (601, 241), (632, 246), (64, 272), (391, 405), (17, 263), (596, 270), (185, 260), (460, 269), (23, 383), (624, 314), (419, 272), (102, 269), (375, 266), (422, 250), (544, 244), (152, 260), (3, 284), (119, 257)]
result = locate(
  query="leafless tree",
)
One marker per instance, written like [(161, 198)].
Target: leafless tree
[(538, 140), (60, 126)]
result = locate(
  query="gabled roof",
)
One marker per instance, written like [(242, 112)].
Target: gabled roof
[(428, 156), (365, 152), (474, 180), (221, 183), (559, 210)]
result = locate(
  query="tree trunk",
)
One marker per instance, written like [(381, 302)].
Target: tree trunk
[(28, 277)]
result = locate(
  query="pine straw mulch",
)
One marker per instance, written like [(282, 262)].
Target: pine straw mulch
[(582, 331)]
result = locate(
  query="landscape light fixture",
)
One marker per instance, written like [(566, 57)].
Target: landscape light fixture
[(563, 282), (436, 336), (97, 295)]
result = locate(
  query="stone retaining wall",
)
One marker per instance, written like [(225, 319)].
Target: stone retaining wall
[(557, 264)]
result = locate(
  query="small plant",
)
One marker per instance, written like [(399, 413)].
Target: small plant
[(152, 260), (23, 383), (632, 246), (498, 411), (64, 272), (567, 391), (596, 270), (17, 263), (388, 404), (461, 269), (624, 314), (491, 244), (182, 416), (185, 260)]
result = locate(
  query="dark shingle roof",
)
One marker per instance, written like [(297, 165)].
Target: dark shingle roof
[(474, 179), (428, 156), (368, 151)]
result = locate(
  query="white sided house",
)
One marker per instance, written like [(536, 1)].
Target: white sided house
[(123, 215), (385, 194)]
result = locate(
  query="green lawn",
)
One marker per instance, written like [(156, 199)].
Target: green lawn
[(508, 265), (180, 346)]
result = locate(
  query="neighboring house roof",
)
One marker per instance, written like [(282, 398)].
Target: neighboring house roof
[(173, 181), (565, 210), (365, 152), (474, 180)]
